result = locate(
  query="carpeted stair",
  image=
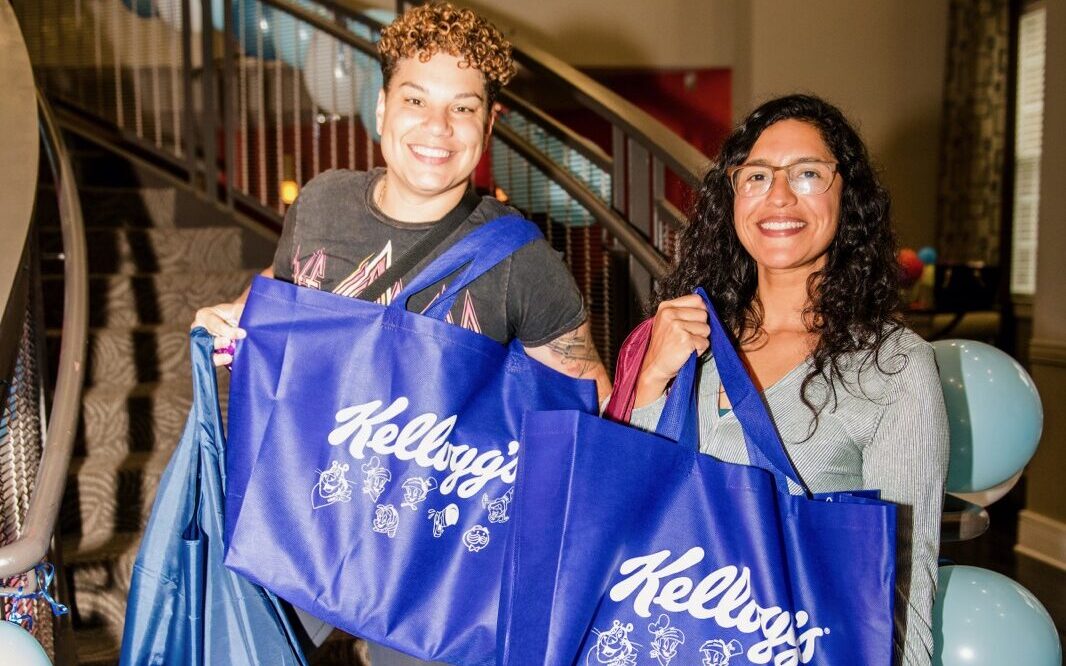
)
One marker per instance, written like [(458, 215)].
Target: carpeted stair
[(157, 253)]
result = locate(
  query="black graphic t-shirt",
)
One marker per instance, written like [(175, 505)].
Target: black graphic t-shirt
[(336, 239)]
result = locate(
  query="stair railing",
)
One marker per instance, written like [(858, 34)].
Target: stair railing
[(247, 100)]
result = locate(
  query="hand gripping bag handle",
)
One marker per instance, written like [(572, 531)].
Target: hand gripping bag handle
[(764, 445), (480, 250)]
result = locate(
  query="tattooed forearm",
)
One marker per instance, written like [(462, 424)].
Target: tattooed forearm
[(576, 352)]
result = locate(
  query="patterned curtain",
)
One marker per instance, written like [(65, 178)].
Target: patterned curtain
[(974, 131)]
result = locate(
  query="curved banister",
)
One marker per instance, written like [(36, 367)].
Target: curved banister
[(32, 545)]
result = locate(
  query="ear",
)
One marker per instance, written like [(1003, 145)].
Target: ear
[(379, 113)]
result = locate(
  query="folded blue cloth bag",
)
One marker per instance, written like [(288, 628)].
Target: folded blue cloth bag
[(184, 608), (374, 452), (634, 548)]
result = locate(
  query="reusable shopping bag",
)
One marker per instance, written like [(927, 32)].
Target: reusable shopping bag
[(374, 453), (631, 547), (184, 607)]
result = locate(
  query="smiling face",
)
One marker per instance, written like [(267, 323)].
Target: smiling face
[(781, 230), (434, 122)]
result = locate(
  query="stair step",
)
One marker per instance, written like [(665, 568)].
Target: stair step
[(97, 646), (135, 251), (131, 355), (116, 420), (135, 208), (133, 300), (107, 494)]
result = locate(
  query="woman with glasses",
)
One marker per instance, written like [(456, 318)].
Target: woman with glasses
[(792, 241)]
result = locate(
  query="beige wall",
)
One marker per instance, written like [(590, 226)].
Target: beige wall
[(882, 62)]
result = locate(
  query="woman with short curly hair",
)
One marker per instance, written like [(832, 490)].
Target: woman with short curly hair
[(791, 239)]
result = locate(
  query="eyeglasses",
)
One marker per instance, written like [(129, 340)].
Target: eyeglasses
[(805, 178)]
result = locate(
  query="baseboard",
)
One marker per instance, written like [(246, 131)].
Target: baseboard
[(1042, 538)]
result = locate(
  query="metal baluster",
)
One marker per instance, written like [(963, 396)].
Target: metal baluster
[(98, 56), (658, 186), (175, 94), (156, 110), (279, 132), (260, 133), (135, 73), (229, 99), (639, 165), (349, 61), (297, 128), (608, 348), (116, 50), (243, 103)]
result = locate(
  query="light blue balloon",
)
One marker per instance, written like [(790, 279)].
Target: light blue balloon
[(928, 255), (143, 8), (994, 413), (252, 19), (292, 37), (18, 647), (983, 618)]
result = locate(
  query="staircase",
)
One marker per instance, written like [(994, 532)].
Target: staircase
[(157, 253)]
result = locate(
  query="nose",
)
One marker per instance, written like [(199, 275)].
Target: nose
[(781, 193), (437, 121)]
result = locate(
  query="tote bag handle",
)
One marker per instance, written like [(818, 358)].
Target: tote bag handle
[(480, 250), (764, 445)]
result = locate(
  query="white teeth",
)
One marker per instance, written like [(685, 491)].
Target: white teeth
[(426, 151), (782, 225)]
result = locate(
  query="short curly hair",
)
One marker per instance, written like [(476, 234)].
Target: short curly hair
[(439, 27)]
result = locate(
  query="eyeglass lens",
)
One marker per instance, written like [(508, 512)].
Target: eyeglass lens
[(805, 178)]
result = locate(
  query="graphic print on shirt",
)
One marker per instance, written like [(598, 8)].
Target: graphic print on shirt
[(370, 269), (309, 273), (665, 641), (613, 647), (476, 538), (332, 486)]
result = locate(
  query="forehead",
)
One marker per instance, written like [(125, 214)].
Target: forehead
[(787, 141), (441, 74)]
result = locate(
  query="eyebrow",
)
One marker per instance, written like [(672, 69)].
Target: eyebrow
[(462, 95), (806, 158)]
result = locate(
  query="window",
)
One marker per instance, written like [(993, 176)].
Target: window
[(1028, 138)]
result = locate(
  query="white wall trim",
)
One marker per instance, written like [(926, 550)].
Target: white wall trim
[(1046, 351), (1041, 538)]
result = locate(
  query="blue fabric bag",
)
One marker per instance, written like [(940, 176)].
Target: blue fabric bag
[(629, 548), (376, 451), (184, 607)]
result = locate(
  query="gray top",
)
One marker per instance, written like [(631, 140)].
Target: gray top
[(886, 431)]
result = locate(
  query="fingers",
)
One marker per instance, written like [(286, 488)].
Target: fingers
[(221, 321)]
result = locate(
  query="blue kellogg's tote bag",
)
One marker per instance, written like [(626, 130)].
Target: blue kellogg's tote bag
[(628, 548), (373, 454)]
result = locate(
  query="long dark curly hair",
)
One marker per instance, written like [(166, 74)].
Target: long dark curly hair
[(853, 301)]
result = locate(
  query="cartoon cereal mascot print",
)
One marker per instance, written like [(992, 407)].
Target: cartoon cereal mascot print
[(375, 477), (386, 520), (476, 538), (665, 641), (415, 490), (613, 647), (444, 518), (716, 652), (498, 507), (332, 486)]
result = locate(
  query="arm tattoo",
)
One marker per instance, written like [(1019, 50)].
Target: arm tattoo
[(576, 352)]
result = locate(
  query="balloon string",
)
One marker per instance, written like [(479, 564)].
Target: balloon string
[(22, 602)]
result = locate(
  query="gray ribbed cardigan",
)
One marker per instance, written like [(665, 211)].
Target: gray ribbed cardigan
[(887, 430)]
